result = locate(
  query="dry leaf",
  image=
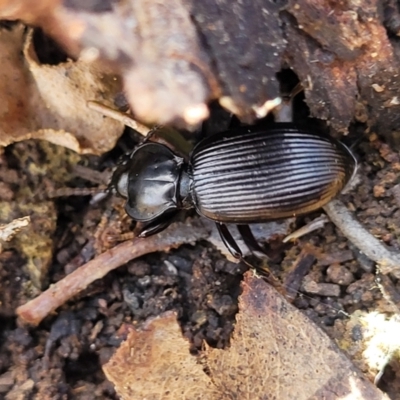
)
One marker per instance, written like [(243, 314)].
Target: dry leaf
[(49, 102), (167, 74), (276, 352), (155, 363), (29, 11)]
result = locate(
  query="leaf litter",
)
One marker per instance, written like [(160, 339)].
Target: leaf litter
[(244, 342), (275, 351), (43, 101)]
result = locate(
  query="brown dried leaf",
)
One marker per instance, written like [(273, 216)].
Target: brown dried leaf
[(155, 363), (176, 58), (29, 11), (156, 46), (277, 352), (49, 102)]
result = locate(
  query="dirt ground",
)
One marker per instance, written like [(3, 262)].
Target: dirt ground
[(63, 357)]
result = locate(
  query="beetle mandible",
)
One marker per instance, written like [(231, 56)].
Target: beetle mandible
[(242, 176)]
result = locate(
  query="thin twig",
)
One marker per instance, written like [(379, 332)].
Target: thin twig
[(387, 260), (118, 116), (298, 271), (56, 295), (315, 224)]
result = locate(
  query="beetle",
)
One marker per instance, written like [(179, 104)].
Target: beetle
[(242, 176)]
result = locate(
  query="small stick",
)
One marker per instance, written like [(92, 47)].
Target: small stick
[(56, 295), (118, 116), (387, 260), (315, 224), (299, 269)]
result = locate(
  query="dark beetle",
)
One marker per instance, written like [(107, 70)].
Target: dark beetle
[(240, 176)]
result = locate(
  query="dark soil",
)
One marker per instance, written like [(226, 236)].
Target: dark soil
[(62, 357)]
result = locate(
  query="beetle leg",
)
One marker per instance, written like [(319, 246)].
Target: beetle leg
[(251, 241), (153, 228), (229, 241)]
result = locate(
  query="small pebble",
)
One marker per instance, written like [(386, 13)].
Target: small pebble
[(199, 318), (229, 267), (102, 303), (337, 257), (181, 263), (6, 382), (170, 268), (144, 282), (139, 268), (322, 289), (301, 302), (131, 300), (339, 274), (223, 305), (396, 194), (379, 191), (367, 297), (356, 333)]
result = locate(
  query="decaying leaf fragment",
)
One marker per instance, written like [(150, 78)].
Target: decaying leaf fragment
[(155, 363), (48, 102), (276, 352), (8, 231)]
